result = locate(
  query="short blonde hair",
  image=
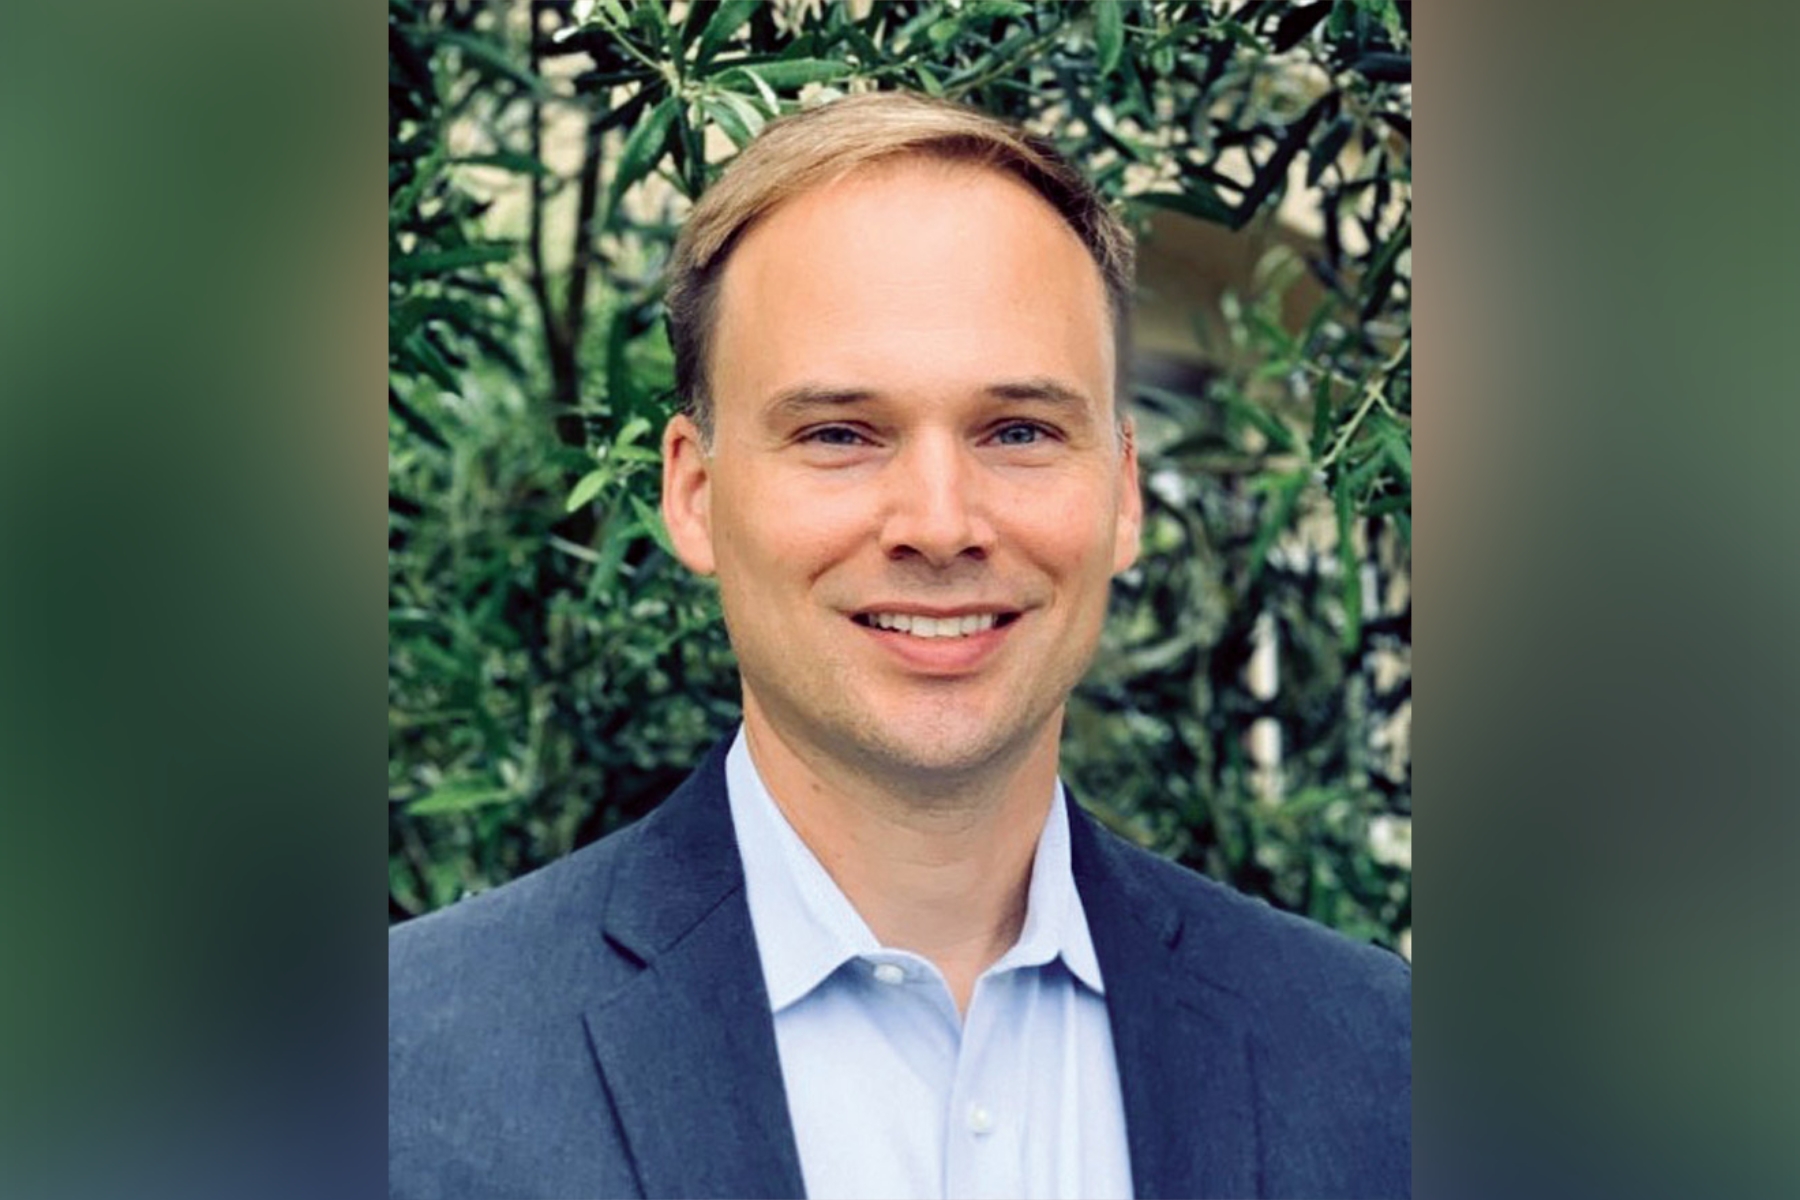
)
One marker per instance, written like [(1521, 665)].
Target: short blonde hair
[(819, 146)]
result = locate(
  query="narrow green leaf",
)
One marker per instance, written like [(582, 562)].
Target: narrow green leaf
[(405, 317), (438, 262), (619, 536), (456, 797), (1315, 324), (426, 171), (633, 429), (652, 523), (1277, 516), (623, 386), (1199, 200), (1348, 567), (459, 315), (753, 117), (987, 10), (491, 56), (1325, 151), (1366, 454), (737, 77), (737, 116), (1273, 173), (789, 74), (1160, 656), (1275, 339), (1396, 447), (421, 353), (726, 20), (1339, 23), (928, 79), (1109, 34), (1388, 13), (589, 486), (642, 150), (1140, 104), (720, 114), (648, 15), (1380, 276), (1279, 435), (1322, 411), (522, 164), (411, 418)]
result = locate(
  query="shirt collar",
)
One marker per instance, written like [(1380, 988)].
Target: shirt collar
[(807, 928)]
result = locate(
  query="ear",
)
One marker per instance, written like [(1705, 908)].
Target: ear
[(687, 494), (1130, 527)]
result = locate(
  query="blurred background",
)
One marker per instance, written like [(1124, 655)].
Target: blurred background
[(553, 672), (194, 995)]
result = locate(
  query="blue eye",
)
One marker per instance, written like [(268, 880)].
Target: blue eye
[(1019, 435), (834, 435)]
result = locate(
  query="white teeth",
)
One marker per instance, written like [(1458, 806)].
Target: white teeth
[(933, 627)]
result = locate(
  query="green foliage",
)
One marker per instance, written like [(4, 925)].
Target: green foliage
[(553, 672)]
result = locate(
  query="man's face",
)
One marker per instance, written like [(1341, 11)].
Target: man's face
[(912, 380)]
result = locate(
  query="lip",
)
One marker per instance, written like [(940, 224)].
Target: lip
[(944, 656), (927, 610)]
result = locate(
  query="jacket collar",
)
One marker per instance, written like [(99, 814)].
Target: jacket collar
[(807, 928), (1182, 1044), (687, 1047)]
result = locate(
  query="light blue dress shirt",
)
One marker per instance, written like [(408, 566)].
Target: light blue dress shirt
[(892, 1094)]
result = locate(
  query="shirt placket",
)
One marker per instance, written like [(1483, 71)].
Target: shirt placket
[(983, 1123)]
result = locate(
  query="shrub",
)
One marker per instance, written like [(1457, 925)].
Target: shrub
[(553, 672)]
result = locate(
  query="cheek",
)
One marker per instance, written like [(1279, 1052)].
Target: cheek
[(1071, 531), (784, 536)]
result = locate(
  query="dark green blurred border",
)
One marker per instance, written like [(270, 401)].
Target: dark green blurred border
[(1607, 583), (189, 626)]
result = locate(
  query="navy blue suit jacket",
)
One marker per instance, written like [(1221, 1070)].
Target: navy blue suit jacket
[(600, 1028)]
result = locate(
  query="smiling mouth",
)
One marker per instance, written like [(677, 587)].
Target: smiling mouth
[(935, 627)]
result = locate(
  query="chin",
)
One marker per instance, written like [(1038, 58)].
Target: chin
[(942, 745)]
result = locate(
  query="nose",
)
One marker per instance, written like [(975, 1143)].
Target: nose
[(937, 505)]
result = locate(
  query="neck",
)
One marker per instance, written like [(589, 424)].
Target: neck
[(939, 866)]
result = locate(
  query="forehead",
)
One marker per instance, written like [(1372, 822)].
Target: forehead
[(915, 272)]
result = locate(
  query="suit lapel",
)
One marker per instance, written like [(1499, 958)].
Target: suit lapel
[(1183, 1047), (687, 1047)]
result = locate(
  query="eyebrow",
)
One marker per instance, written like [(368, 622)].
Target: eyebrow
[(807, 399), (1043, 390)]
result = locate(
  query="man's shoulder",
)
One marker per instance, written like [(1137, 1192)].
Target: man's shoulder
[(1318, 1025), (1248, 947), (490, 1076), (539, 925)]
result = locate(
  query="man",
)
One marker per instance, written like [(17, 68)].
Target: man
[(870, 948)]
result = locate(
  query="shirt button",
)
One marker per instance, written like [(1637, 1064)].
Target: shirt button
[(890, 973), (980, 1119)]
